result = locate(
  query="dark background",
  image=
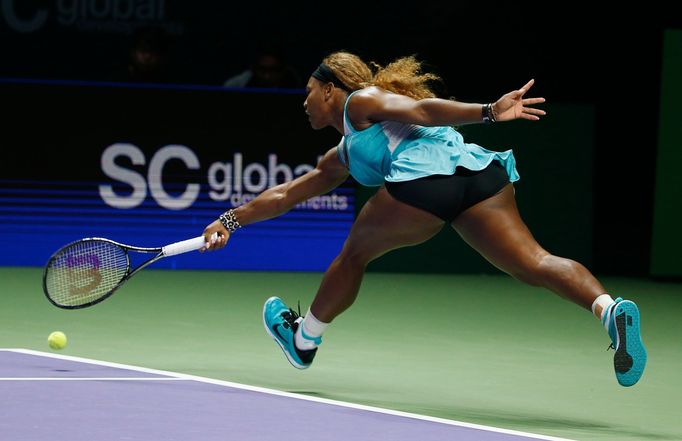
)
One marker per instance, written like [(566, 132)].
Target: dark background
[(609, 59)]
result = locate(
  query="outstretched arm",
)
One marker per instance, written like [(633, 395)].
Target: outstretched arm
[(373, 105), (328, 174)]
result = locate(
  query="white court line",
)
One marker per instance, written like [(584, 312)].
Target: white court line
[(91, 379), (181, 376)]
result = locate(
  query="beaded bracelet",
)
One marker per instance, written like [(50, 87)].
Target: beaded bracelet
[(229, 221)]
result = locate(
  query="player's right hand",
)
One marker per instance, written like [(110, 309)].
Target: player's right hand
[(216, 236)]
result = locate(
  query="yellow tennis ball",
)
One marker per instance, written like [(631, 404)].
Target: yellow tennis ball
[(57, 340)]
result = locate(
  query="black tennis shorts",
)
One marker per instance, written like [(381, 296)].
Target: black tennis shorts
[(446, 196)]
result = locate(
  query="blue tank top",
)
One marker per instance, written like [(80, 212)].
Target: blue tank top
[(396, 152)]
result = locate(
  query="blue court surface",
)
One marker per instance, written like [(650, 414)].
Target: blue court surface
[(45, 396)]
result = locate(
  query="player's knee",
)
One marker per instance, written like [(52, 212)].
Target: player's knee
[(355, 255)]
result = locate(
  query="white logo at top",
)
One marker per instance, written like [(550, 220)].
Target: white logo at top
[(23, 24), (24, 19)]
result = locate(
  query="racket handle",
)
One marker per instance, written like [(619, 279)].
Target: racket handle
[(184, 246)]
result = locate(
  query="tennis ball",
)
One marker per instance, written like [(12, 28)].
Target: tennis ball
[(57, 340)]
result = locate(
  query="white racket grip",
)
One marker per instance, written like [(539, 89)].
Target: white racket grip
[(184, 246)]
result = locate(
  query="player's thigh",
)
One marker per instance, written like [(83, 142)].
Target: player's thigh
[(385, 223), (494, 228)]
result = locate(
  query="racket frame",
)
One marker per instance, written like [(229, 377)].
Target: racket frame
[(128, 273)]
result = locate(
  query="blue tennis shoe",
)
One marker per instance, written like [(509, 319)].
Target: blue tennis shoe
[(622, 322), (281, 322)]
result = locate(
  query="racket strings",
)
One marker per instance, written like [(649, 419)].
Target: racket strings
[(85, 271)]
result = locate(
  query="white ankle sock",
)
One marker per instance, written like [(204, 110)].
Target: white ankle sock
[(604, 301), (313, 329)]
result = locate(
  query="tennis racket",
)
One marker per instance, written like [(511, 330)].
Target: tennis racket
[(87, 271)]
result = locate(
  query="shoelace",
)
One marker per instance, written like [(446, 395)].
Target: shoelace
[(291, 316)]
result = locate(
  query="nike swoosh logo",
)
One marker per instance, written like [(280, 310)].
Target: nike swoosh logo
[(275, 329)]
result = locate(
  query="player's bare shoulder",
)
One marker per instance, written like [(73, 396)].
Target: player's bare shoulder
[(369, 95), (364, 103)]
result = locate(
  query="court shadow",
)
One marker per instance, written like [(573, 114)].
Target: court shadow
[(534, 423), (525, 422), (316, 394)]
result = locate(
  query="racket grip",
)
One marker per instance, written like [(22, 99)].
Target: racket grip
[(184, 246)]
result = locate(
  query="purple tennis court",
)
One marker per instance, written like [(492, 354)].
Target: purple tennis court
[(46, 396)]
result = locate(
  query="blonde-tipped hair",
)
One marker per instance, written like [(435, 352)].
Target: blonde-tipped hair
[(402, 76)]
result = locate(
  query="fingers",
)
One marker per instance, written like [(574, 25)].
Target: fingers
[(216, 241), (216, 237), (529, 101), (532, 113), (528, 85), (518, 94)]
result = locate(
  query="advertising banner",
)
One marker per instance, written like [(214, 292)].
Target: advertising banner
[(148, 167)]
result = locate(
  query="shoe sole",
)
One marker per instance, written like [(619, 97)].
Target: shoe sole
[(630, 357), (279, 343)]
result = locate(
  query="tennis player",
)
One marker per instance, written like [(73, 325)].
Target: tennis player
[(396, 135)]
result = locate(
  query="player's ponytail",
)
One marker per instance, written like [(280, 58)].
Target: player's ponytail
[(403, 76)]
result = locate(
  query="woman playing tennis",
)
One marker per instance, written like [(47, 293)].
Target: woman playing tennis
[(398, 136)]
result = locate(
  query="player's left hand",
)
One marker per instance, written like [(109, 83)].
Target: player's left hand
[(514, 106)]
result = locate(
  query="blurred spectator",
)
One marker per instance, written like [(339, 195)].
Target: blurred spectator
[(148, 58), (269, 68)]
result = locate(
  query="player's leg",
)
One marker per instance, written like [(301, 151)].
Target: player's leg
[(383, 224), (495, 229)]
